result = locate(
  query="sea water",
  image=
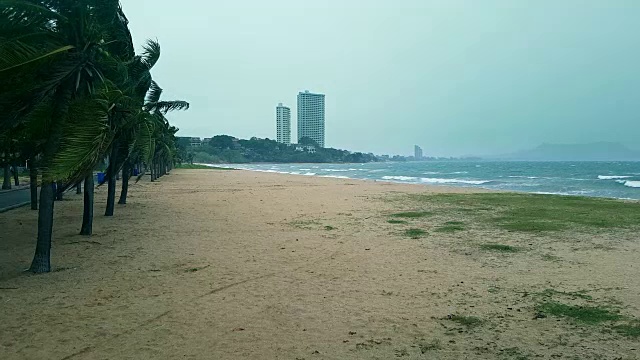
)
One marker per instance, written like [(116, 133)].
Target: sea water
[(598, 179)]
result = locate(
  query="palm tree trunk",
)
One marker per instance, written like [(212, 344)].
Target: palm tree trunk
[(42, 258), (111, 186), (33, 184), (6, 184), (59, 191), (126, 173), (16, 180), (79, 187), (87, 214)]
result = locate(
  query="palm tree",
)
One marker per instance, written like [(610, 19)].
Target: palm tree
[(63, 49)]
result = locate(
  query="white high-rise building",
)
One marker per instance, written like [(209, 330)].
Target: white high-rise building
[(283, 124), (311, 117)]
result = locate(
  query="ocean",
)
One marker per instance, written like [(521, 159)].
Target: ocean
[(598, 179)]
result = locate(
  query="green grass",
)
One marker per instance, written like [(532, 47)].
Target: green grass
[(574, 294), (305, 224), (430, 346), (329, 228), (454, 223), (468, 321), (584, 314), (197, 166), (631, 329), (541, 213), (450, 227), (394, 221), (499, 247), (412, 214), (414, 233)]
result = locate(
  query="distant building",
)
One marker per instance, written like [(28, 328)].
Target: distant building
[(308, 148), (417, 152), (311, 117), (187, 141), (283, 124), (195, 142)]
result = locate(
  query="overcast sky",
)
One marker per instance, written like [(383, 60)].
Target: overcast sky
[(454, 76)]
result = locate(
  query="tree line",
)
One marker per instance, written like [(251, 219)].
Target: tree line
[(74, 95), (227, 149)]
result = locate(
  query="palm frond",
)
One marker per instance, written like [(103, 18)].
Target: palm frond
[(86, 138), (154, 93), (150, 53), (166, 106)]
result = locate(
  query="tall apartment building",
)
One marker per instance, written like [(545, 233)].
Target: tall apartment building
[(417, 152), (311, 117), (283, 124)]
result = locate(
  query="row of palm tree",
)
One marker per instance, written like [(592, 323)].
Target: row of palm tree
[(73, 93)]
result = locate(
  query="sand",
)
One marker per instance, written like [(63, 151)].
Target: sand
[(210, 264)]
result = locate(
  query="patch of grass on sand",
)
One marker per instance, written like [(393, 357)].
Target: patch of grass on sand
[(394, 221), (198, 166), (467, 321), (631, 329), (549, 257), (329, 228), (451, 227), (499, 247), (415, 233), (430, 346), (542, 213), (412, 214), (514, 353), (305, 224), (574, 294), (584, 314)]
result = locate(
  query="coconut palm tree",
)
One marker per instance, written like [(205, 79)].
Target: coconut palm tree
[(59, 51)]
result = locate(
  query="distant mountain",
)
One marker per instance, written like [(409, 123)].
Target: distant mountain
[(600, 151)]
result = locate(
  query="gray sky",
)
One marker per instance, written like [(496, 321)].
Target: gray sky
[(454, 76)]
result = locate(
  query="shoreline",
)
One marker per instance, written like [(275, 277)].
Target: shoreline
[(478, 188)]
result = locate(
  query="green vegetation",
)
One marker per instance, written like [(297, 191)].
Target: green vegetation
[(467, 321), (305, 224), (451, 227), (631, 329), (74, 93), (583, 314), (198, 166), (329, 228), (540, 213), (227, 149), (394, 221), (415, 233), (412, 214), (425, 347), (514, 353), (499, 247), (576, 294)]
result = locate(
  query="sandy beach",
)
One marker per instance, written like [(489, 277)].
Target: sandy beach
[(208, 264)]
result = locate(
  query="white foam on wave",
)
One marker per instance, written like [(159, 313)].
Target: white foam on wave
[(400, 178), (309, 174), (613, 177), (632, 184), (524, 177), (453, 181), (335, 176), (334, 170)]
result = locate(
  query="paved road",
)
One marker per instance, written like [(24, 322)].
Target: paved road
[(10, 198)]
